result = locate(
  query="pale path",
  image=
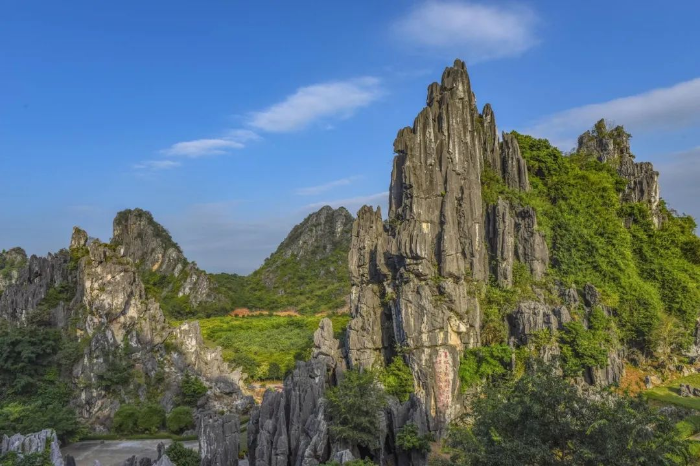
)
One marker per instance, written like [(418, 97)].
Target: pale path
[(114, 452)]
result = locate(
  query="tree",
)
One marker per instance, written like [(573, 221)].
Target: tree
[(397, 379), (191, 389), (354, 407), (151, 418), (125, 419), (181, 455), (542, 419), (180, 419)]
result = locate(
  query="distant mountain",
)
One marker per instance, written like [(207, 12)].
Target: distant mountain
[(308, 272)]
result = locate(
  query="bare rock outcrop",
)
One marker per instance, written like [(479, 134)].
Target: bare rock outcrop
[(531, 317), (611, 145), (37, 442), (218, 439)]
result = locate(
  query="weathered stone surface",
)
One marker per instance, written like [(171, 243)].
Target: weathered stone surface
[(319, 234), (612, 373), (11, 262), (531, 248), (514, 168), (36, 442), (326, 346), (531, 317), (611, 145), (163, 461), (410, 285), (218, 439), (500, 231)]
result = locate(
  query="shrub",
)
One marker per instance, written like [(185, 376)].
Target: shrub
[(397, 379), (409, 439), (543, 419), (150, 418), (181, 455), (180, 419), (191, 389), (483, 363), (354, 407), (126, 420), (274, 372)]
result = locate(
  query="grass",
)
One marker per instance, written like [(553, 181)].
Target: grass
[(669, 393), (266, 346)]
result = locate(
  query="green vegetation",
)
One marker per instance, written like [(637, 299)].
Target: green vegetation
[(11, 261), (307, 284), (132, 419), (408, 439), (33, 459), (179, 420), (181, 455), (34, 365), (644, 274), (484, 363), (581, 348), (397, 379), (258, 343), (669, 393), (191, 389), (353, 407), (543, 419)]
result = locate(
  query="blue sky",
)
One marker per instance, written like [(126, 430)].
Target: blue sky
[(231, 121)]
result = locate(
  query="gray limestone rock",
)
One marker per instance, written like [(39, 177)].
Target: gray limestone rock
[(531, 317), (37, 442), (500, 231), (218, 439)]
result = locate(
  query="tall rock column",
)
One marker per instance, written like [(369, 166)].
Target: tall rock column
[(416, 275)]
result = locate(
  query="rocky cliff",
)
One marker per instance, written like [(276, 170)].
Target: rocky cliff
[(94, 293)]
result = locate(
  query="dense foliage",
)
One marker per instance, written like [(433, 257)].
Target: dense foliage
[(179, 420), (643, 273), (484, 363), (33, 459), (191, 389), (542, 419), (397, 379), (409, 439), (265, 346), (181, 455), (34, 364), (132, 419), (353, 407)]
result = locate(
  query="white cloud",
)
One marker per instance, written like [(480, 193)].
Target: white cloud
[(679, 174), (313, 190), (656, 110), (157, 165), (339, 99), (233, 139), (352, 202), (474, 31)]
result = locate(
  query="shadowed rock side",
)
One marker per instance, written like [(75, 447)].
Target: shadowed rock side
[(411, 278), (218, 439)]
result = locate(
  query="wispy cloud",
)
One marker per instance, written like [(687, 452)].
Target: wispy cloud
[(656, 110), (679, 174), (337, 99), (322, 188), (352, 202), (156, 165), (477, 32), (234, 139)]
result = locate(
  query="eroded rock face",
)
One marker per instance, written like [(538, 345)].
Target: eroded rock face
[(149, 245), (413, 278), (37, 442), (11, 262), (531, 317), (95, 294), (318, 234), (218, 439), (611, 145)]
